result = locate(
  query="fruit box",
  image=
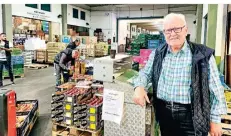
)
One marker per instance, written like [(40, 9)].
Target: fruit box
[(57, 112), (145, 52), (95, 109), (81, 123), (21, 130), (228, 95), (94, 117), (34, 109), (95, 125), (136, 58), (143, 60), (66, 86), (58, 97)]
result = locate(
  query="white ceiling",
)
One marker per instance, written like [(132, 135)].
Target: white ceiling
[(182, 8), (149, 24)]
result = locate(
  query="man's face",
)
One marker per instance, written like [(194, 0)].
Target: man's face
[(3, 37), (175, 32), (75, 54)]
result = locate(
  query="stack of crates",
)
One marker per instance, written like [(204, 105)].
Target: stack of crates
[(53, 48), (41, 55), (28, 57), (17, 64)]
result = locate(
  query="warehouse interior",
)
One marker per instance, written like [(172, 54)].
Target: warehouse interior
[(38, 32)]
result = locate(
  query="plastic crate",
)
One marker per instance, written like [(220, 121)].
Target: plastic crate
[(34, 109), (152, 44), (23, 128)]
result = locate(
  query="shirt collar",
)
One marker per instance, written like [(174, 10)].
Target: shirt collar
[(184, 49)]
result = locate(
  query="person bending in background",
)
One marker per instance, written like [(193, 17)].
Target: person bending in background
[(73, 45), (5, 58), (61, 64)]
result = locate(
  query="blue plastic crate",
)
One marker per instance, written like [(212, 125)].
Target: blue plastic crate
[(17, 60), (152, 44)]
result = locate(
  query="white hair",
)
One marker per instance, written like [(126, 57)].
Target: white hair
[(174, 15)]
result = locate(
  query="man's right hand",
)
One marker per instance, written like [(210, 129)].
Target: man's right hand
[(140, 96)]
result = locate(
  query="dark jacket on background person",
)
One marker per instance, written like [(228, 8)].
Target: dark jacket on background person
[(71, 45), (63, 58), (8, 54), (200, 96)]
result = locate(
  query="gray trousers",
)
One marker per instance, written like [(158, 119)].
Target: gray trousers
[(60, 72)]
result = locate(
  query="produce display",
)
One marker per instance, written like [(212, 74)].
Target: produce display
[(79, 106), (26, 111), (20, 120), (24, 107), (145, 41)]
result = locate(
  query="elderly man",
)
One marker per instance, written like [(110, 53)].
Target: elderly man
[(188, 95)]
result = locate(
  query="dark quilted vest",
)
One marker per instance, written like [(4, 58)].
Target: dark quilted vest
[(200, 98)]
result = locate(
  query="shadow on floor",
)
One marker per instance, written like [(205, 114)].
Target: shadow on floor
[(42, 126)]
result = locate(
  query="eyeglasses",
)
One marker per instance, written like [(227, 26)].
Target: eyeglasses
[(176, 30)]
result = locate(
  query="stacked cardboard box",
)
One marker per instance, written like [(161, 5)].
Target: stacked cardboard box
[(97, 50), (41, 55), (53, 48), (26, 115), (79, 107), (90, 45)]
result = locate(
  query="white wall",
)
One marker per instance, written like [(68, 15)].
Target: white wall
[(77, 22), (205, 12), (191, 26), (1, 23), (122, 32), (106, 21), (23, 11)]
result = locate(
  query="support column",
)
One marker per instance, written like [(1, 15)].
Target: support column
[(212, 26), (7, 21), (199, 22), (64, 19), (221, 35)]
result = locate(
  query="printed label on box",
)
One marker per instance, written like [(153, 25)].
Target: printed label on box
[(92, 126), (92, 118), (92, 110), (68, 114), (68, 107), (69, 99)]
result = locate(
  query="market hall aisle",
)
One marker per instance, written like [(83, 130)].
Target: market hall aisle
[(37, 84)]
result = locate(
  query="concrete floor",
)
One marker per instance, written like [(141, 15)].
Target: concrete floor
[(37, 84)]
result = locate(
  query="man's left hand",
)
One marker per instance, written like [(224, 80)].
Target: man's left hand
[(215, 129)]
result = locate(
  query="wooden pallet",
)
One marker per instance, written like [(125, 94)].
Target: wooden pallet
[(36, 66), (226, 125), (15, 76), (63, 130)]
